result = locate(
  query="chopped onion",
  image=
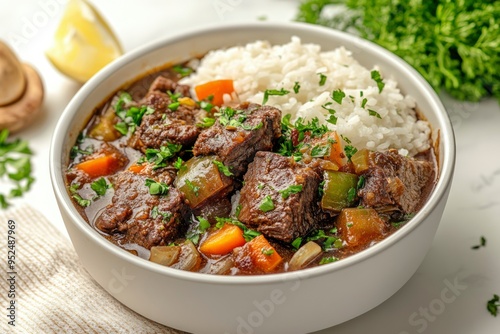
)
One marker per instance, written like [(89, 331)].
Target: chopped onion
[(189, 259), (165, 255), (304, 255), (222, 266)]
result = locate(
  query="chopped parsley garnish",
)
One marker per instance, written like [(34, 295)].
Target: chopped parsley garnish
[(296, 87), (351, 195), (322, 79), (123, 98), (223, 168), (248, 234), (267, 252), (350, 151), (155, 212), (297, 242), (320, 151), (237, 211), (73, 189), (183, 71), (233, 118), (293, 189), (332, 118), (361, 182), (481, 244), (179, 164), (363, 103), (338, 95), (329, 242), (273, 92), (378, 79), (321, 188), (159, 157), (15, 165), (328, 259), (207, 106), (100, 186), (174, 106), (267, 204), (157, 188), (207, 122), (372, 112), (131, 118), (195, 233), (260, 186), (493, 304), (193, 188)]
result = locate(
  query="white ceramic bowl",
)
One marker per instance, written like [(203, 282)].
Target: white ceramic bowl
[(295, 302)]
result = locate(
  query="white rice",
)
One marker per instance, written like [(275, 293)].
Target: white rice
[(259, 66)]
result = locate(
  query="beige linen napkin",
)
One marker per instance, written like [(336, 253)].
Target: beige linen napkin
[(53, 292)]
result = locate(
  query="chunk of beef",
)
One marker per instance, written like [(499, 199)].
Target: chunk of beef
[(174, 124), (395, 183), (291, 217), (239, 133), (143, 219)]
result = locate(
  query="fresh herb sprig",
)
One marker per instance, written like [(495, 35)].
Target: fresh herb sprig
[(493, 304), (454, 45), (15, 167)]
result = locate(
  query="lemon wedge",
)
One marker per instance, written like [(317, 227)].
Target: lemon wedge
[(83, 42)]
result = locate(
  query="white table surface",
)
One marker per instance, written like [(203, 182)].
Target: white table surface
[(424, 304)]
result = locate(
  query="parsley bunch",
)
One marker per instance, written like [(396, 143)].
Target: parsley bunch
[(15, 165), (455, 45)]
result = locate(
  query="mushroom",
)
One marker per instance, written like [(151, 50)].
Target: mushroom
[(21, 91)]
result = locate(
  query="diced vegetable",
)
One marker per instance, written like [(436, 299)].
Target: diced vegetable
[(336, 152), (339, 190), (105, 127), (135, 168), (360, 226), (201, 180), (221, 267), (304, 255), (165, 255), (189, 258), (361, 161), (223, 241), (263, 255), (100, 166), (216, 89)]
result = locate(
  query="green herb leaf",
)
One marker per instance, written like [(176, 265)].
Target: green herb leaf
[(351, 195), (493, 304), (207, 122), (378, 79), (328, 259), (293, 189), (372, 112), (157, 188), (100, 186), (363, 103), (338, 95), (481, 244), (223, 168), (267, 252), (183, 71), (195, 233), (296, 87), (320, 151), (159, 157), (297, 242), (179, 164), (322, 79), (15, 165), (267, 204), (273, 92)]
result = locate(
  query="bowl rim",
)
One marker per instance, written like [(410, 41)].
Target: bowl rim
[(446, 171)]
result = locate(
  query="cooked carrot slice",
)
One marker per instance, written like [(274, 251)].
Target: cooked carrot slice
[(216, 89), (336, 152), (263, 255), (136, 168), (100, 166), (223, 241)]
